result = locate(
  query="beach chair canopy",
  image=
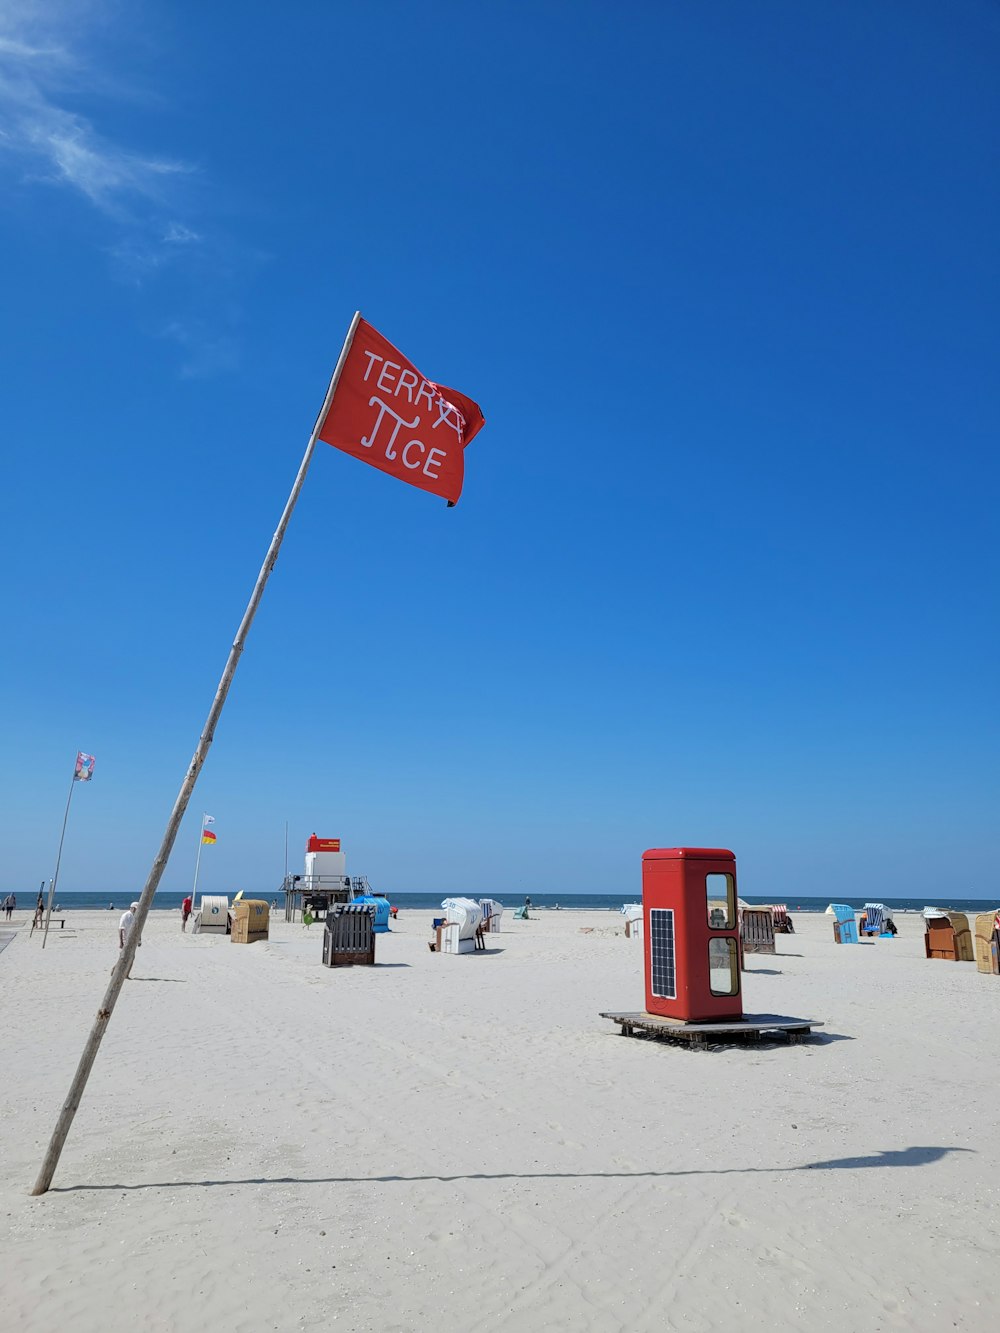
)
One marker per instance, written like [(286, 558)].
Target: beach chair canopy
[(841, 911)]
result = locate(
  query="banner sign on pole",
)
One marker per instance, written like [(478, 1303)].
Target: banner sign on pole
[(84, 770), (388, 414)]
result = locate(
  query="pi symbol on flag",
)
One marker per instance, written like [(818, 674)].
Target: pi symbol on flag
[(385, 410)]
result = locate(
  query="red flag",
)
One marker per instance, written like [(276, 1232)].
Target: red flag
[(388, 414)]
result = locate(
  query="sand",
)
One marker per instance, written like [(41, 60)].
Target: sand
[(462, 1143)]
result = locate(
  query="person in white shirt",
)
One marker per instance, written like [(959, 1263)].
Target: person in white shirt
[(126, 925)]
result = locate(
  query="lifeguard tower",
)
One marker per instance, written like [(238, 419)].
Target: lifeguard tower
[(324, 881)]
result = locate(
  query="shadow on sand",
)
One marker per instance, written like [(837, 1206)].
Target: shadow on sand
[(893, 1157)]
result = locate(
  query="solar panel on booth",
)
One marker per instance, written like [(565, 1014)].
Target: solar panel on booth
[(661, 953)]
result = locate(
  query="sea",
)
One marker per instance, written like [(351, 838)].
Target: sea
[(91, 900)]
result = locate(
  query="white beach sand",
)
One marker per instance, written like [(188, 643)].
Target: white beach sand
[(462, 1143)]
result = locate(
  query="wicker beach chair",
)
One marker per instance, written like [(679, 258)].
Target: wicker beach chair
[(964, 951), (783, 924), (985, 926), (845, 928), (939, 935), (874, 918), (492, 912), (757, 930), (349, 935), (632, 912)]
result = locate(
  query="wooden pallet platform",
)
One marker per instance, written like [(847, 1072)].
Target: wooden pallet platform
[(751, 1028)]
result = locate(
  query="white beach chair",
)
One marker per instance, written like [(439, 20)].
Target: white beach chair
[(632, 912), (492, 912), (467, 915)]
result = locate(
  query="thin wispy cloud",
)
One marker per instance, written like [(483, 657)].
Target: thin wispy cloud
[(60, 145), (46, 143), (177, 234), (10, 46)]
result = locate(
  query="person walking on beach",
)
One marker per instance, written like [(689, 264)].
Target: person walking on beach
[(185, 912), (39, 912), (125, 927), (9, 903)]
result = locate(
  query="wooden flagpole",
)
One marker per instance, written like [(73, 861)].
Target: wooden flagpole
[(126, 955), (62, 836)]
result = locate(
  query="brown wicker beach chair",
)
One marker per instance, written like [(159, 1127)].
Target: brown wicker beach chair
[(964, 951), (984, 939)]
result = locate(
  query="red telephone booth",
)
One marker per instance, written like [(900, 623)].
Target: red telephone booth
[(691, 933)]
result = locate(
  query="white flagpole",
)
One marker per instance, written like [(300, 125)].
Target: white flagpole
[(52, 884), (197, 866), (126, 955)]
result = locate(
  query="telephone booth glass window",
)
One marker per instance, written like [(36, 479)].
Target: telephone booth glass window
[(721, 904), (723, 972)]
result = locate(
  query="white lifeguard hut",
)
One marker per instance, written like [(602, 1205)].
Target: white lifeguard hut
[(325, 860)]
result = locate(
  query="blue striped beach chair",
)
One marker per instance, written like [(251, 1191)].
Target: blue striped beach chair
[(874, 918)]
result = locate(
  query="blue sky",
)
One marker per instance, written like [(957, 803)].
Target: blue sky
[(724, 280)]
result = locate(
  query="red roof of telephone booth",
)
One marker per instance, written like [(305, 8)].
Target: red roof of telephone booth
[(688, 854)]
